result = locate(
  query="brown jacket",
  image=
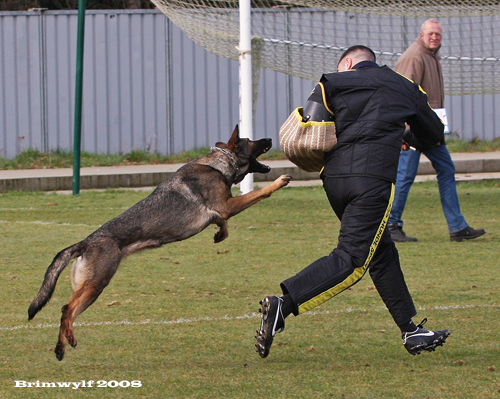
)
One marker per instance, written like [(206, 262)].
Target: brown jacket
[(423, 66)]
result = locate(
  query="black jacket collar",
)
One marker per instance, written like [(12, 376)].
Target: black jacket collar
[(365, 64)]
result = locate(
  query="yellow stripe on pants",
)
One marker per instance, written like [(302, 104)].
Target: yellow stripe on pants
[(358, 272)]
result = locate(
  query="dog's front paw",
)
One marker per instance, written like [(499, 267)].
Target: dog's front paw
[(219, 236), (283, 180), (223, 232)]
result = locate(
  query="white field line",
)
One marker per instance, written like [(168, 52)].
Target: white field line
[(18, 209), (43, 223), (120, 208), (229, 318)]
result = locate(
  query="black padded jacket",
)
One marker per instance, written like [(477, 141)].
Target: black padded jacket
[(370, 105)]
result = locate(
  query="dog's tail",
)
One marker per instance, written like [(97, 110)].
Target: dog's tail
[(60, 261)]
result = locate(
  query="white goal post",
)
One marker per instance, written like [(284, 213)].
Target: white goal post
[(246, 101)]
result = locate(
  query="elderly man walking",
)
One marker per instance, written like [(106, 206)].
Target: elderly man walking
[(421, 63)]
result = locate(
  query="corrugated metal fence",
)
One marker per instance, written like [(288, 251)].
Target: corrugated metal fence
[(146, 86)]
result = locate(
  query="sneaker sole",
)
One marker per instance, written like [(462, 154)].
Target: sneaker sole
[(417, 349), (460, 239), (264, 342)]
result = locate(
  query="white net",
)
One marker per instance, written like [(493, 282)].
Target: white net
[(306, 38)]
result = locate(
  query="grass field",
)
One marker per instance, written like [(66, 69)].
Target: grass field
[(181, 319), (34, 159)]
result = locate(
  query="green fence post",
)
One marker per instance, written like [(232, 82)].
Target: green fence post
[(78, 97)]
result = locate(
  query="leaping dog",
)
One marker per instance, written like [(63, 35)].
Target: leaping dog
[(197, 195)]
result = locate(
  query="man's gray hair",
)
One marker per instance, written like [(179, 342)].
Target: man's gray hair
[(434, 20)]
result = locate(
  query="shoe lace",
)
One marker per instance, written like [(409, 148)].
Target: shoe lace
[(421, 324)]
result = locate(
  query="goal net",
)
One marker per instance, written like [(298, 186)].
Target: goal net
[(305, 38)]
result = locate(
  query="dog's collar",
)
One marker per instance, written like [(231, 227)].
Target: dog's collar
[(228, 153)]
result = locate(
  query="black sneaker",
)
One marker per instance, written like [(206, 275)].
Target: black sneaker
[(272, 322), (467, 234), (421, 339), (398, 235)]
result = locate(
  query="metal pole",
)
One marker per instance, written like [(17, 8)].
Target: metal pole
[(43, 79), (170, 91), (288, 55), (246, 105), (78, 97)]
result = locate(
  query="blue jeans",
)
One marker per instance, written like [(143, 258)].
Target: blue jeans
[(443, 165)]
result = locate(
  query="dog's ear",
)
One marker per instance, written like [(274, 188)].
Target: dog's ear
[(235, 139)]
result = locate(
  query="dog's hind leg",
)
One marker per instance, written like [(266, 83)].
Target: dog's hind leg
[(90, 274), (81, 300)]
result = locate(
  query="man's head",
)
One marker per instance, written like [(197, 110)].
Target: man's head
[(353, 55), (431, 34)]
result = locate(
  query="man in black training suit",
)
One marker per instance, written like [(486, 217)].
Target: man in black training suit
[(370, 105)]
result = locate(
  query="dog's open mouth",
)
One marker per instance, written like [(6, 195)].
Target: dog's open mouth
[(263, 146), (264, 150)]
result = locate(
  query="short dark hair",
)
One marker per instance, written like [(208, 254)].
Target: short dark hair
[(368, 52)]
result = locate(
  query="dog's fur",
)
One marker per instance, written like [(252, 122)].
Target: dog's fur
[(197, 195)]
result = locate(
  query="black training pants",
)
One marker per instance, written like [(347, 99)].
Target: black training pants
[(363, 205)]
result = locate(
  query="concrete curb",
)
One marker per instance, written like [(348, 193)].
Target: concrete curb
[(469, 167)]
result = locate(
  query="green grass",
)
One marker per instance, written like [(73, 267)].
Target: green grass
[(34, 159), (474, 145), (181, 319)]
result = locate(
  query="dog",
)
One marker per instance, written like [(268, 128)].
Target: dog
[(196, 196)]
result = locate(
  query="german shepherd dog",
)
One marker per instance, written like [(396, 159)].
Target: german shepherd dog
[(197, 195)]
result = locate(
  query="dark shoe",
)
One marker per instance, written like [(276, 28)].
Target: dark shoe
[(421, 339), (466, 234), (272, 322), (398, 235)]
